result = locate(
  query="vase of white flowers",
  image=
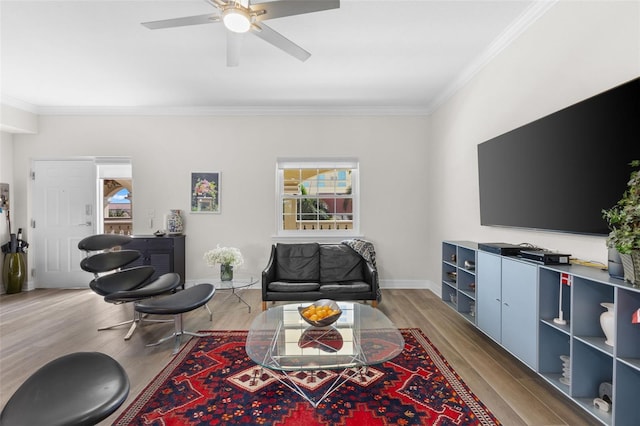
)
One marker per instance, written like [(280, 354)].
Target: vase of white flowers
[(227, 257), (226, 272)]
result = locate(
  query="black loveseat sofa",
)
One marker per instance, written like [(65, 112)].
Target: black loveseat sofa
[(312, 271)]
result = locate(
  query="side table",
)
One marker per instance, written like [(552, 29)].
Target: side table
[(234, 287)]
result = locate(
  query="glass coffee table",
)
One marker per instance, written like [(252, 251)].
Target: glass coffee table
[(282, 343)]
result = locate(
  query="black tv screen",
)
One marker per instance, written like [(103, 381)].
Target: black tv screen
[(559, 172)]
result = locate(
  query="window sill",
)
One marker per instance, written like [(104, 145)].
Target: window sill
[(323, 237)]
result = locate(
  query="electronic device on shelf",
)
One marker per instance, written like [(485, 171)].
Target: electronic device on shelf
[(546, 257), (503, 249)]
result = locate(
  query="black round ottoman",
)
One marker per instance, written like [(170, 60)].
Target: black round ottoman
[(81, 388), (176, 304)]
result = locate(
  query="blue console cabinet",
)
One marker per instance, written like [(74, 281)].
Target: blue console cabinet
[(515, 301)]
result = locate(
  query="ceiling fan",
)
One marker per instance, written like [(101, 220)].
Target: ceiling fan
[(240, 17)]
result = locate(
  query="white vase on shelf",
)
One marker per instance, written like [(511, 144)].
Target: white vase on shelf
[(607, 321), (175, 225)]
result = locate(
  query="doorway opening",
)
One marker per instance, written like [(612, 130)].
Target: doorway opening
[(115, 197), (116, 206)]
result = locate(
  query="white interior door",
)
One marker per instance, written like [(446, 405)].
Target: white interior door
[(64, 213)]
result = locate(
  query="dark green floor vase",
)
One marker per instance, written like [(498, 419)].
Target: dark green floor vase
[(14, 272)]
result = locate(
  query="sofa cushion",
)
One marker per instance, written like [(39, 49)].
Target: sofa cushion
[(338, 262), (345, 287), (298, 262), (292, 287)]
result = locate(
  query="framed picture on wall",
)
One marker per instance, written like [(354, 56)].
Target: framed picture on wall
[(205, 192)]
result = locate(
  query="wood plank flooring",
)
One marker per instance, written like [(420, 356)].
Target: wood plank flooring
[(40, 325)]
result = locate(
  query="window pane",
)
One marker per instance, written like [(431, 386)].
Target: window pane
[(316, 198), (292, 180), (346, 205), (289, 214)]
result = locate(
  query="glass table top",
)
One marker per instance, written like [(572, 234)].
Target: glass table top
[(279, 339), (234, 284)]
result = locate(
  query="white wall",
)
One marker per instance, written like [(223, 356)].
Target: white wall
[(576, 50), (164, 150)]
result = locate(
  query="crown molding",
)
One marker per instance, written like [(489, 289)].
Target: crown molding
[(512, 32), (237, 111), (265, 110)]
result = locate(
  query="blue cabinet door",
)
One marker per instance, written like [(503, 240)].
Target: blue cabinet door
[(489, 298), (519, 310)]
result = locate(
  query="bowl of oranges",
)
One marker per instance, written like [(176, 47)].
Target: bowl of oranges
[(321, 313)]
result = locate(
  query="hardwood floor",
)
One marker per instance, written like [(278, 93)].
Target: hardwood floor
[(38, 326)]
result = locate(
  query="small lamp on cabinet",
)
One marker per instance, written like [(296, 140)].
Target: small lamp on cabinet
[(565, 279)]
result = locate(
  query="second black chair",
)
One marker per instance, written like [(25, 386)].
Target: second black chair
[(80, 388)]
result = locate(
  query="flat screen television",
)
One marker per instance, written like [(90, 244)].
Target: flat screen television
[(559, 172)]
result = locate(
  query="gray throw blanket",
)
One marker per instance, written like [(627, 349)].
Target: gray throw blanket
[(365, 249)]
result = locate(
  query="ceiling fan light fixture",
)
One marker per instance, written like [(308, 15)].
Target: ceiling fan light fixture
[(236, 20)]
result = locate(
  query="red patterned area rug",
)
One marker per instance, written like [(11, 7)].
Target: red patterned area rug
[(212, 381)]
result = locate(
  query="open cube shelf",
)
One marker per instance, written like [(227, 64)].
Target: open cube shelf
[(459, 258)]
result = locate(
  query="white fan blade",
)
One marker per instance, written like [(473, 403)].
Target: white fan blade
[(278, 40), (234, 42), (181, 22), (278, 9), (217, 3)]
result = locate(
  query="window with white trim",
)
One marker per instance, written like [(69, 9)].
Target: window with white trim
[(317, 197)]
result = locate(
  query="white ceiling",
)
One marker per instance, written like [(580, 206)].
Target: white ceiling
[(402, 55)]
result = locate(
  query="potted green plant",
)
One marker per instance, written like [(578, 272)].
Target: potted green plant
[(624, 223)]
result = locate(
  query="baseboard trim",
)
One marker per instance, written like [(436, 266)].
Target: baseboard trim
[(410, 285), (384, 284), (404, 284)]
